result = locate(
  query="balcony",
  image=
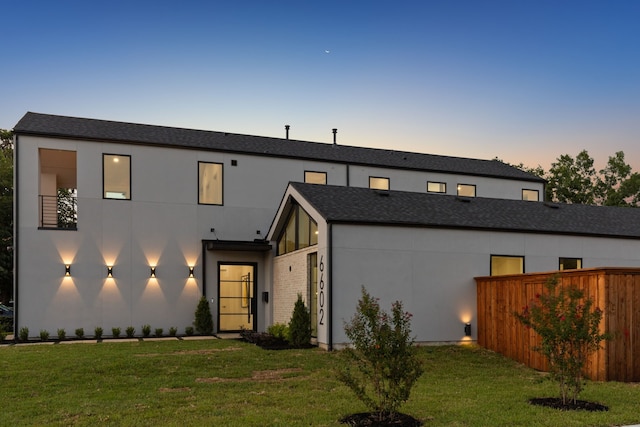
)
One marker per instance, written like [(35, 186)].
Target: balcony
[(59, 212)]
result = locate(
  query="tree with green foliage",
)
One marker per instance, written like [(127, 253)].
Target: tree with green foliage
[(572, 180), (204, 319), (299, 334), (6, 215)]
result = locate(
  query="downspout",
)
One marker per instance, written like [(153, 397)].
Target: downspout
[(16, 217), (330, 286), (348, 170)]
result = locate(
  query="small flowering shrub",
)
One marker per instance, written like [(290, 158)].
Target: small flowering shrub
[(569, 332), (381, 365)]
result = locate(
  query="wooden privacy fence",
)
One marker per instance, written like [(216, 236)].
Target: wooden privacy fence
[(616, 291)]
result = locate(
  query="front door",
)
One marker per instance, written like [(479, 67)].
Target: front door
[(236, 297)]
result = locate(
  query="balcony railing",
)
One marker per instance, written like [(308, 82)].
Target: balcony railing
[(59, 212)]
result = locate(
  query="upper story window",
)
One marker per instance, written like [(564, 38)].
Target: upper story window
[(436, 187), (570, 263), (116, 176), (506, 264), (300, 232), (378, 183), (57, 208), (531, 195), (209, 183), (466, 190), (315, 177)]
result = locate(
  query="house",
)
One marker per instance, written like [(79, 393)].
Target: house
[(121, 224)]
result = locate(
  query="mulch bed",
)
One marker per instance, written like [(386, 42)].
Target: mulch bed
[(370, 419), (578, 405)]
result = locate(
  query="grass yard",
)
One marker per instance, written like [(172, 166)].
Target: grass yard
[(230, 383)]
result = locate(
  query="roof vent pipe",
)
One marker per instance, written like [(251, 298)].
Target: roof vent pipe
[(335, 131), (286, 129)]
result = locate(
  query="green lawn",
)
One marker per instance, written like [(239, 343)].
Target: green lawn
[(230, 383)]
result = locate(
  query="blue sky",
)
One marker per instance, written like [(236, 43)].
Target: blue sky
[(523, 80)]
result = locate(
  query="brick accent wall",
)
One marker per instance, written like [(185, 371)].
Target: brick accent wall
[(290, 278)]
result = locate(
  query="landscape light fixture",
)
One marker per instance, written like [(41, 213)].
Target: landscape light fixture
[(67, 270), (467, 329), (190, 271), (153, 272), (109, 271)]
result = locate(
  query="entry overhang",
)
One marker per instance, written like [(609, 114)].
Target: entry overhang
[(238, 245)]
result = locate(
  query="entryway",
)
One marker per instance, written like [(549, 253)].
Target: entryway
[(237, 304)]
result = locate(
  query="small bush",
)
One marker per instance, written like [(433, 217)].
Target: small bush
[(189, 331), (146, 330), (97, 333), (24, 334), (44, 334), (130, 331), (173, 331), (279, 330), (158, 332), (115, 332), (381, 365), (3, 333), (300, 325), (80, 333), (204, 320), (62, 334)]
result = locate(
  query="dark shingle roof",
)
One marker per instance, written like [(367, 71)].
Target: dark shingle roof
[(363, 205), (102, 130)]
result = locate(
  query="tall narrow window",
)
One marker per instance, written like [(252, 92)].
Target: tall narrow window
[(116, 177), (300, 232), (466, 190), (315, 177), (570, 263), (436, 187), (209, 183), (506, 264), (378, 183), (531, 195)]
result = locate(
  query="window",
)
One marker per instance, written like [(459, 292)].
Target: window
[(436, 187), (116, 177), (378, 183), (209, 183), (466, 190), (506, 264), (531, 195), (315, 177), (300, 232), (570, 263)]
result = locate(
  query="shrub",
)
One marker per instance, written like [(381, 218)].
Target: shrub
[(62, 334), (173, 331), (80, 333), (146, 330), (159, 332), (204, 320), (569, 332), (24, 334), (279, 330), (188, 331), (97, 332), (300, 325), (3, 333), (115, 332), (44, 334), (381, 365), (130, 331)]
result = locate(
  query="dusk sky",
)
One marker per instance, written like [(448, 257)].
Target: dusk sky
[(525, 81)]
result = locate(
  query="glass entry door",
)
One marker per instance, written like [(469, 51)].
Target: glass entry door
[(236, 297)]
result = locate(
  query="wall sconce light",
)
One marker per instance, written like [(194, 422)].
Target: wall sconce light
[(67, 270), (191, 271), (153, 272), (109, 271), (467, 329)]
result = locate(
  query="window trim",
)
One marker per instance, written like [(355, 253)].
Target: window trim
[(572, 258), (524, 270), (380, 177), (437, 182), (315, 172), (532, 190), (458, 185), (221, 184), (295, 215), (104, 155)]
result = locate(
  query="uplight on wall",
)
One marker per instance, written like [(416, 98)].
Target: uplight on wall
[(467, 329), (191, 271), (109, 271), (67, 270), (153, 272)]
